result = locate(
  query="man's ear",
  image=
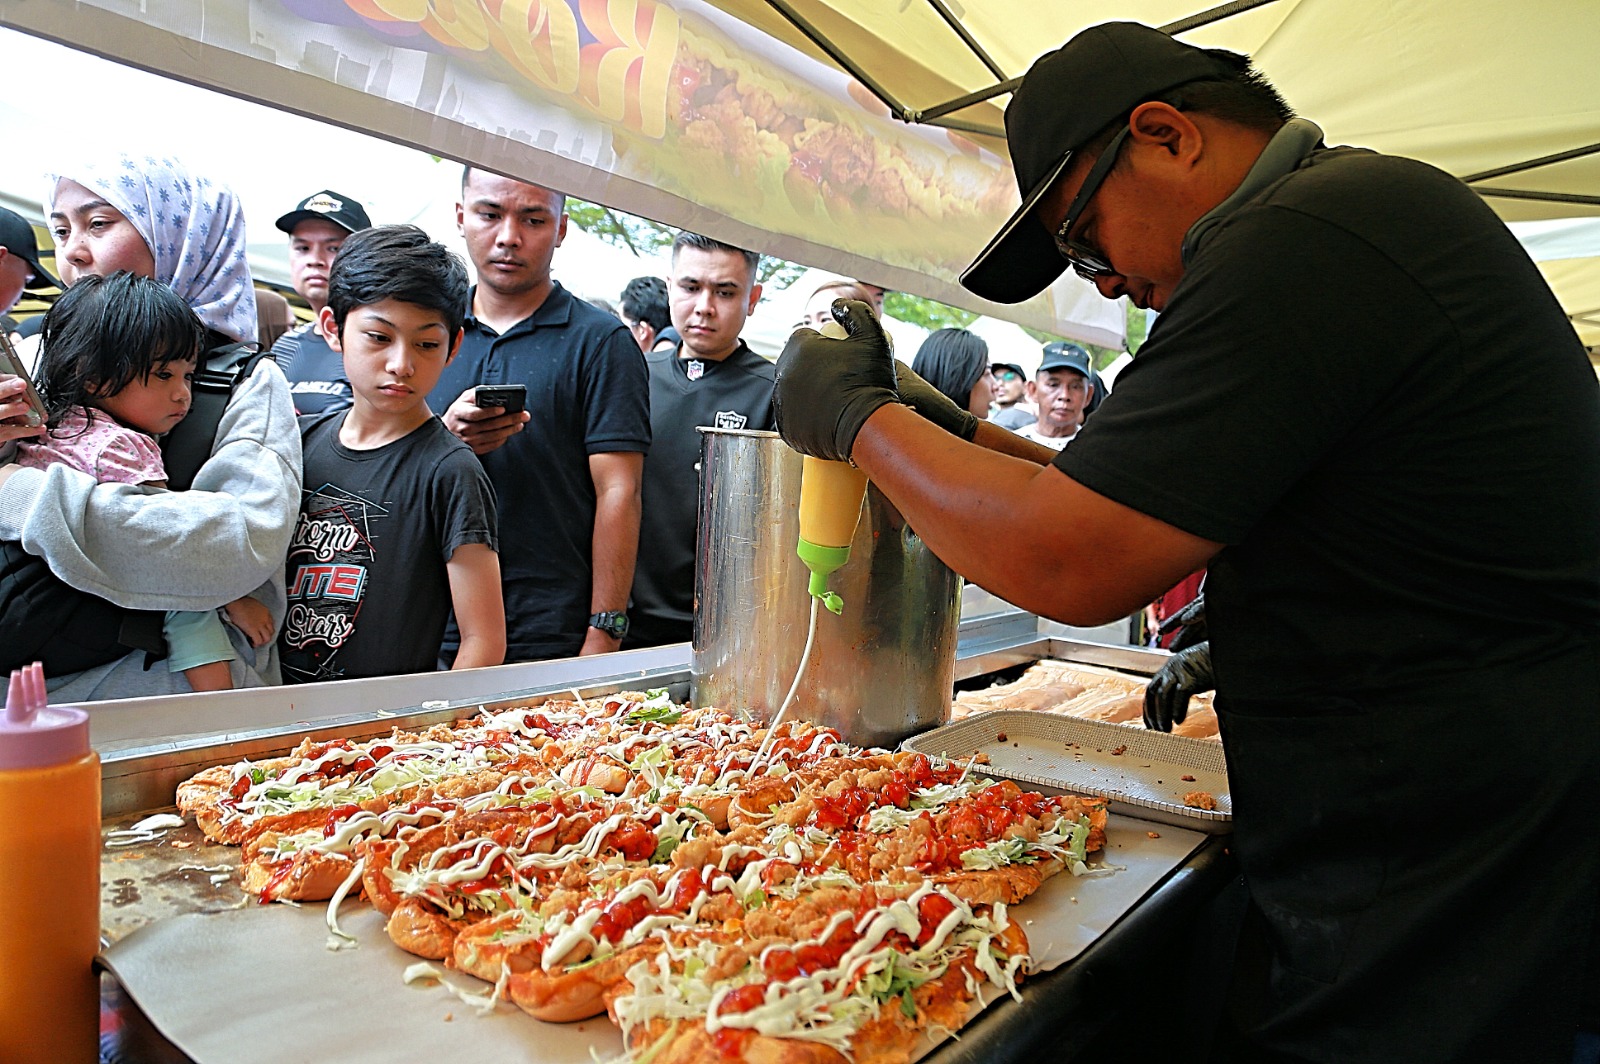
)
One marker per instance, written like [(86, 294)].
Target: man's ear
[(455, 346), (1162, 125), (330, 328), (461, 219), (1031, 390), (755, 297)]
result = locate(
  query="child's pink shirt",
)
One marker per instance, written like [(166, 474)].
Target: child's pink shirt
[(107, 450)]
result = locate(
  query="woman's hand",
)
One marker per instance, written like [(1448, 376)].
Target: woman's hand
[(14, 410)]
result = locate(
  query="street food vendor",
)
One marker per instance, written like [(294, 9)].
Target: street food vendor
[(1363, 410)]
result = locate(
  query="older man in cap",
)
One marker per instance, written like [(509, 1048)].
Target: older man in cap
[(1403, 539), (19, 261), (317, 229)]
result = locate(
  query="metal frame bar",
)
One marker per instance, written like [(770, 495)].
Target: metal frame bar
[(1533, 194), (1534, 164)]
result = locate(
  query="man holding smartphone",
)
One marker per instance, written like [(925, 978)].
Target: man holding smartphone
[(566, 469)]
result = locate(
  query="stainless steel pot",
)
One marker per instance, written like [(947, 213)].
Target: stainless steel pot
[(881, 671)]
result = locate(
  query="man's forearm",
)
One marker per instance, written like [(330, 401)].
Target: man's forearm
[(1031, 535), (615, 548), (1003, 441)]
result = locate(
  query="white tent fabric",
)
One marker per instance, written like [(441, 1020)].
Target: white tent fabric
[(727, 120)]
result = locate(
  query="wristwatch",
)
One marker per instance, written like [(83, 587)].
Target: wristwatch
[(613, 623)]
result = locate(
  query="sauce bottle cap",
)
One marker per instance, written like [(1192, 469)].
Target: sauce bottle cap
[(35, 735)]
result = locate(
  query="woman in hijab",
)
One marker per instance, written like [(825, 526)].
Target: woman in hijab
[(228, 535), (957, 363)]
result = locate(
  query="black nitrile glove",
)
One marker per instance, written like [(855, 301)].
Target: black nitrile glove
[(826, 388), (1166, 699), (1192, 620), (932, 404)]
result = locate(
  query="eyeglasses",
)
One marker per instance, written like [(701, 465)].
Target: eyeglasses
[(1088, 262), (1005, 375)]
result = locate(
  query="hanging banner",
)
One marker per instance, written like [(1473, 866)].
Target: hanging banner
[(665, 108)]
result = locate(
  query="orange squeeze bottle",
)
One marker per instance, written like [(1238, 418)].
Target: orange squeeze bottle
[(49, 883)]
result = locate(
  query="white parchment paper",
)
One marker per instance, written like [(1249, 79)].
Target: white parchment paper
[(259, 985)]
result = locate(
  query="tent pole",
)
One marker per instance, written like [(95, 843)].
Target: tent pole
[(816, 37), (1534, 164), (967, 38)]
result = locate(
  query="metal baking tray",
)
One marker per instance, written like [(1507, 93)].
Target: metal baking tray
[(1142, 773)]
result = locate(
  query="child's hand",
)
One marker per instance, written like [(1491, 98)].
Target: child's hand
[(251, 618)]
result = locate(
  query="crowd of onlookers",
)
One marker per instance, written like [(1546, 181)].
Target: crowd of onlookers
[(439, 469)]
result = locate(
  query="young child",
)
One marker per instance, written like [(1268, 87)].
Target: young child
[(397, 522), (117, 357)]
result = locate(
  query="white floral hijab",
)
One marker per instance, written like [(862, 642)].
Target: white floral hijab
[(193, 226)]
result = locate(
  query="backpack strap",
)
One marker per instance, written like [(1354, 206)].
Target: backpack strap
[(187, 447)]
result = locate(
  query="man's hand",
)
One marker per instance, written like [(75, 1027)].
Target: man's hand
[(252, 618), (14, 411), (483, 428), (598, 642), (827, 388), (1166, 699), (933, 404)]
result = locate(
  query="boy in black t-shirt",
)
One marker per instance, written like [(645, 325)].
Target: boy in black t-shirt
[(397, 524)]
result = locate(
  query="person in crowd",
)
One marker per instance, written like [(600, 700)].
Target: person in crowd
[(875, 296), (644, 310), (714, 380), (1061, 390), (1011, 409), (115, 371), (317, 228), (605, 306), (820, 303), (19, 261), (568, 479), (226, 537), (1403, 543), (956, 362), (397, 524)]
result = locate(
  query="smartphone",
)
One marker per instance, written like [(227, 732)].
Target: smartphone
[(514, 397), (11, 362)]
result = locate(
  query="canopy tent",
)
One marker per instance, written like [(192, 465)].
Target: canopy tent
[(733, 120)]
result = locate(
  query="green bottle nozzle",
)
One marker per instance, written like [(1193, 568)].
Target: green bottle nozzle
[(823, 562)]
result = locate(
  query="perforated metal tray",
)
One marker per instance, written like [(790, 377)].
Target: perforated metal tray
[(1142, 773)]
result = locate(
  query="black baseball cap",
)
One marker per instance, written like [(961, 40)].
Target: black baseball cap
[(1067, 97), (16, 236), (1065, 355), (330, 206)]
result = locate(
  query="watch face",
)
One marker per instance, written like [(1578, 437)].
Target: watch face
[(613, 624)]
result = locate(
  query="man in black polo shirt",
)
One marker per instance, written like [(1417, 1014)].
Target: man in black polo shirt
[(567, 469), (1365, 411), (715, 380), (317, 229)]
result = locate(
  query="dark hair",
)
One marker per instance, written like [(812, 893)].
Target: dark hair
[(645, 299), (1242, 96), (106, 332), (686, 239), (952, 360), (397, 262), (466, 175)]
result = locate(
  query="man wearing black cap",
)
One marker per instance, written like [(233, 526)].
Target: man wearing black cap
[(1061, 391), (317, 228), (19, 261), (1010, 386), (1403, 543)]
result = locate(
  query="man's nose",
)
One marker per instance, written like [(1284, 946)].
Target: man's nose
[(507, 234)]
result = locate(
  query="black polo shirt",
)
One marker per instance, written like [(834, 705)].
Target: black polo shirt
[(735, 393), (588, 394), (1368, 392)]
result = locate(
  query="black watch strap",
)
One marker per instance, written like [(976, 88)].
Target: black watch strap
[(613, 623)]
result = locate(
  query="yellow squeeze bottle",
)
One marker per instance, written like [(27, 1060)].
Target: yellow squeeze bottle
[(830, 508)]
